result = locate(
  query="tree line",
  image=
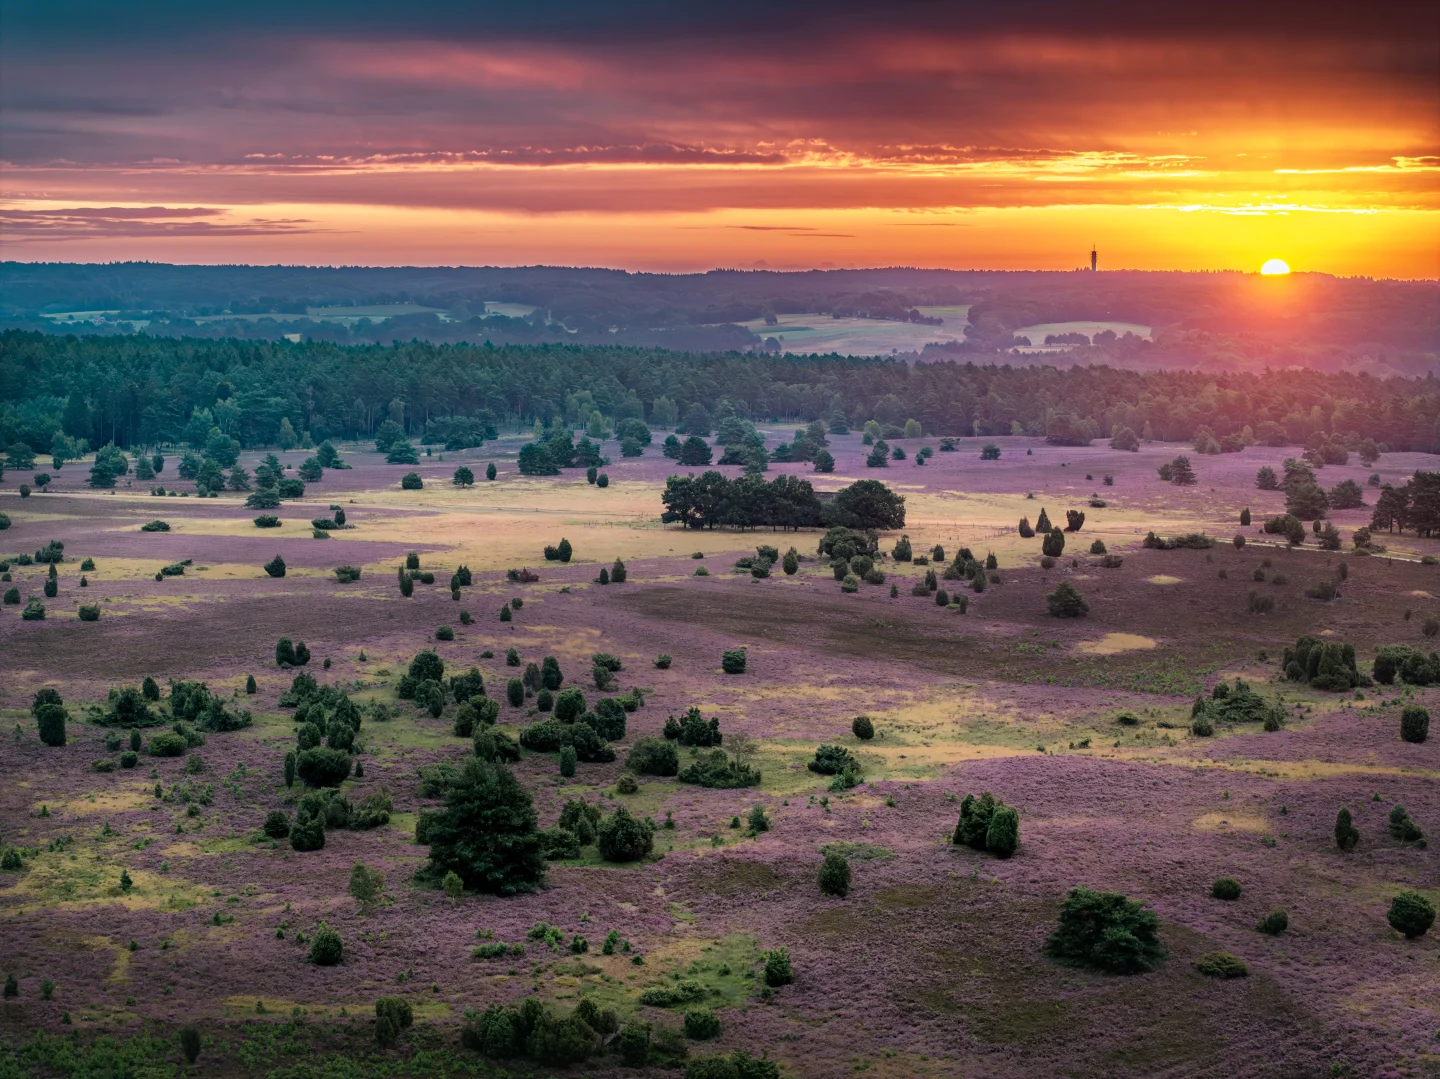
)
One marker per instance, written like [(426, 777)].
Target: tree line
[(138, 390)]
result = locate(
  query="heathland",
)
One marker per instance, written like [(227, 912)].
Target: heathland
[(354, 759)]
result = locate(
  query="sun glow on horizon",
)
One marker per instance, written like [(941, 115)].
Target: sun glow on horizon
[(1275, 268)]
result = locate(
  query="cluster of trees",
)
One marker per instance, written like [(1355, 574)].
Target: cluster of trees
[(144, 390), (1324, 664), (786, 502), (1415, 505)]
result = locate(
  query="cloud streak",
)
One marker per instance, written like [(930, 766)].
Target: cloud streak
[(647, 108)]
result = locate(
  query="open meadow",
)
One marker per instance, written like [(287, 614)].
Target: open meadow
[(143, 892)]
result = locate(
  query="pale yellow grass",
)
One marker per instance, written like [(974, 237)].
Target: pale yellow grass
[(1163, 578), (1229, 822), (1114, 643)]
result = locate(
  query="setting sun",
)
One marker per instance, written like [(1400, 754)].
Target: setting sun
[(1275, 267)]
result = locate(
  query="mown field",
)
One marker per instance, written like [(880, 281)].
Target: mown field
[(933, 964)]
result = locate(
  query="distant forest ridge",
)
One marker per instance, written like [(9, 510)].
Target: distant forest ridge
[(141, 390), (1214, 320)]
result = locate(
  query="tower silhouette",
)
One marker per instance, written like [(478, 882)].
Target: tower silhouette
[(1093, 258)]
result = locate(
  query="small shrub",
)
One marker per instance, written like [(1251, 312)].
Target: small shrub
[(863, 728), (1274, 923), (733, 661), (778, 970), (277, 824), (326, 947), (1066, 601), (1414, 724), (701, 1024), (1411, 914), (444, 633), (1221, 965), (275, 567), (1347, 836), (623, 838), (626, 784), (190, 1043), (1107, 931), (835, 875), (1227, 888), (89, 612)]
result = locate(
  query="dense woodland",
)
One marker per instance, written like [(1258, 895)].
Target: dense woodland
[(139, 390)]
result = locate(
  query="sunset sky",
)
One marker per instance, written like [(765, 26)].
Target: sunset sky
[(667, 136)]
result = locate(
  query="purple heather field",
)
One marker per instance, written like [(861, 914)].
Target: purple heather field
[(934, 963)]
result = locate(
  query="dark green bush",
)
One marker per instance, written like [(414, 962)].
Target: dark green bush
[(1002, 838), (515, 692), (1106, 931), (1347, 836), (486, 832), (778, 970), (654, 757), (692, 729), (1403, 828), (701, 1024), (835, 875), (319, 767), (1274, 923), (833, 760), (1411, 914), (733, 661), (863, 728), (1225, 888), (326, 947), (1414, 724), (717, 770), (1066, 601), (623, 838), (168, 745), (569, 704), (277, 824), (50, 718)]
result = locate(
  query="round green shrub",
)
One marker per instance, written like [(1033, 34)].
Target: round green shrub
[(326, 947), (835, 875), (277, 824), (778, 970), (863, 728), (1226, 888), (168, 744), (444, 633), (1107, 931), (623, 838), (1412, 914), (1274, 923), (129, 759), (701, 1024), (567, 761), (626, 784), (308, 835)]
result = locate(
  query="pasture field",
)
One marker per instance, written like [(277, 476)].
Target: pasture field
[(804, 334), (934, 964)]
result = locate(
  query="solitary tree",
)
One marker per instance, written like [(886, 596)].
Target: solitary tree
[(486, 832)]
